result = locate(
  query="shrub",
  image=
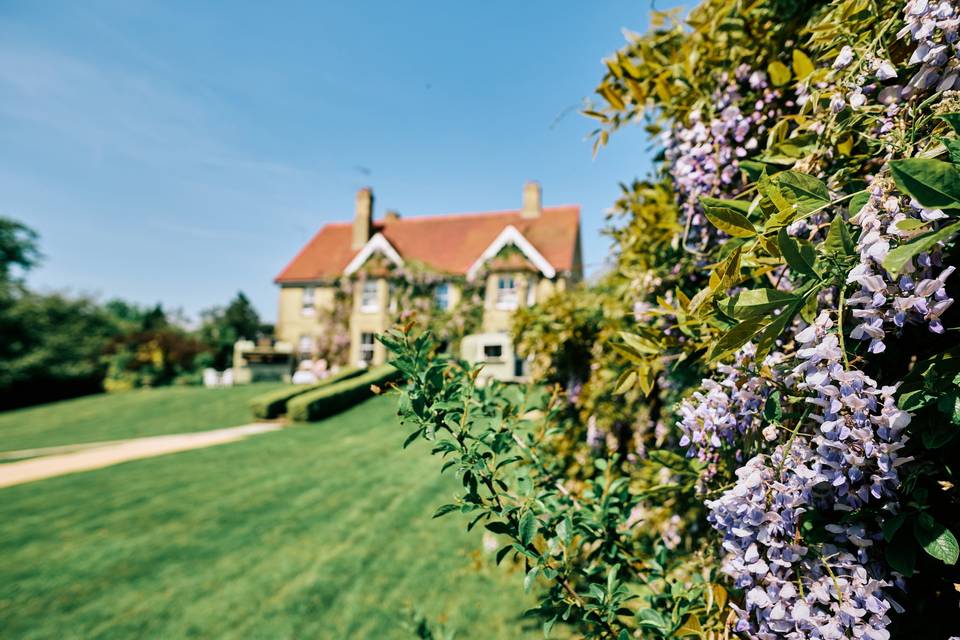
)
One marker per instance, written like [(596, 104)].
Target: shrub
[(334, 398), (274, 404)]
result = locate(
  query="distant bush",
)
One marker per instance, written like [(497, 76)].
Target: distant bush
[(274, 404), (334, 398)]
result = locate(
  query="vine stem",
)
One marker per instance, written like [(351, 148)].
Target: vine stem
[(840, 310)]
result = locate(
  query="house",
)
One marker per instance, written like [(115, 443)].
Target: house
[(358, 271)]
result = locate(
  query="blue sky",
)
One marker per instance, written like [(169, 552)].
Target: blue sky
[(178, 152)]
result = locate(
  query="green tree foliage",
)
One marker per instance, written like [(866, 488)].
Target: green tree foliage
[(222, 326)]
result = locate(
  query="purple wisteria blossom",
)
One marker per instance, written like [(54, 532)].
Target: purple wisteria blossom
[(919, 294), (720, 412), (703, 154), (933, 28), (830, 590)]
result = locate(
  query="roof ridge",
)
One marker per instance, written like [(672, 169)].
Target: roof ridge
[(430, 217)]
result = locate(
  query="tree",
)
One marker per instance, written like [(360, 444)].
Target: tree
[(222, 327), (18, 249)]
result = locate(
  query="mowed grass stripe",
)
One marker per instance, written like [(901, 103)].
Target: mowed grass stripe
[(131, 414), (319, 531)]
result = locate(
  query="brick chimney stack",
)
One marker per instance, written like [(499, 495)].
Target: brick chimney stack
[(363, 217), (532, 206)]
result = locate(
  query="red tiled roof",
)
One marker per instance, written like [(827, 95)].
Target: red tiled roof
[(449, 244)]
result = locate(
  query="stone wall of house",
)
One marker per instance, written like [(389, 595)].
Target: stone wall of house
[(294, 320)]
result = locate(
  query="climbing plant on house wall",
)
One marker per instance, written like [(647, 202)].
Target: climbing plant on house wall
[(750, 428)]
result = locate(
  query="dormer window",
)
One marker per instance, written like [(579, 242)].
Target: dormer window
[(369, 297), (506, 293), (441, 296), (308, 301)]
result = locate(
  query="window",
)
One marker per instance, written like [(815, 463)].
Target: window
[(441, 296), (506, 293), (492, 352), (306, 345), (531, 292), (307, 301), (369, 296), (366, 348)]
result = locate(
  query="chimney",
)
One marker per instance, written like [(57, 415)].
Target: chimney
[(392, 215), (363, 217), (531, 200)]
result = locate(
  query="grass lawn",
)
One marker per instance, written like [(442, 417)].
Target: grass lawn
[(130, 414), (317, 531)]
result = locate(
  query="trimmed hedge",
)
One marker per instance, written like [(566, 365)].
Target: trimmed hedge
[(274, 404), (334, 398)]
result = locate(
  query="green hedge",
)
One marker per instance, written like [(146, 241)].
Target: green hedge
[(274, 404), (335, 398)]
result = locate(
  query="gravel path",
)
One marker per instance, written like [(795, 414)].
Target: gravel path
[(109, 453)]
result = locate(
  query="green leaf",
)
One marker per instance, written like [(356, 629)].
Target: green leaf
[(902, 556), (802, 65), (528, 527), (953, 148), (779, 73), (936, 540), (898, 258), (953, 119), (530, 577), (892, 525), (805, 191), (772, 411), (839, 240), (758, 301), (736, 337), (857, 202), (498, 527), (768, 337), (753, 169), (797, 258), (445, 509), (932, 183), (910, 224), (652, 618), (503, 553), (725, 218)]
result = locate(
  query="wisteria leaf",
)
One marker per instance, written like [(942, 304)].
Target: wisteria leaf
[(757, 301), (936, 539), (797, 259), (839, 240), (953, 119), (725, 218), (736, 337), (802, 65), (898, 258), (805, 191), (857, 202), (902, 556), (779, 73), (932, 183)]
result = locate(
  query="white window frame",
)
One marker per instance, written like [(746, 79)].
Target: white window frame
[(366, 288), (441, 296), (507, 298), (367, 349), (531, 292), (308, 301)]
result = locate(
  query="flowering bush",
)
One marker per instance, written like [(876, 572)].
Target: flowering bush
[(751, 424)]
